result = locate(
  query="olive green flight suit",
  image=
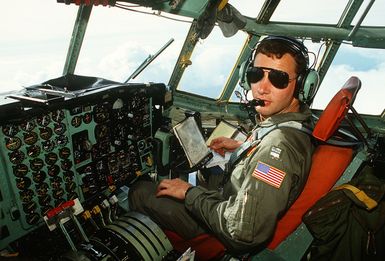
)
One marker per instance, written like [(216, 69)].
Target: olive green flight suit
[(261, 188)]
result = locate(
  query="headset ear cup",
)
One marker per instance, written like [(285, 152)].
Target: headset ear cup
[(308, 86), (242, 76)]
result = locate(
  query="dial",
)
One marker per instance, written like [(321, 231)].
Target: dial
[(101, 113), (53, 170), (59, 128), (10, 130), (32, 218), (64, 153), (51, 158), (45, 133), (87, 117), (33, 151), (58, 193), (20, 170), (26, 195), (48, 145), (29, 207), (43, 120), (66, 164), (61, 140), (55, 182), (30, 137), (36, 164), (58, 115), (16, 157), (76, 121), (23, 183), (44, 200), (27, 126), (38, 176), (41, 189), (12, 143)]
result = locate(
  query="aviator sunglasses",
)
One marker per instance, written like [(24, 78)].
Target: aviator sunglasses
[(279, 79)]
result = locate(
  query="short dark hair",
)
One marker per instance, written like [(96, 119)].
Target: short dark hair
[(277, 48)]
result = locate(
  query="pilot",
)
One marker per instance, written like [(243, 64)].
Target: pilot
[(267, 174)]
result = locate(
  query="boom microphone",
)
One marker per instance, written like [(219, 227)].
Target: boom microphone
[(256, 102)]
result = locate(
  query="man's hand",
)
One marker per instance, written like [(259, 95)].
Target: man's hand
[(173, 187), (222, 144)]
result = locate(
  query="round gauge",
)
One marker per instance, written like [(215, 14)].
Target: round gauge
[(33, 151), (59, 128), (61, 140), (55, 182), (76, 121), (44, 200), (87, 117), (30, 137), (45, 209), (10, 130), (16, 157), (27, 126), (70, 186), (53, 170), (29, 207), (20, 170), (32, 218), (68, 176), (23, 183), (72, 196), (101, 113), (38, 176), (51, 158), (66, 164), (58, 115), (45, 133), (12, 143), (101, 131), (58, 193), (48, 145), (64, 153), (43, 120), (36, 164), (26, 195), (41, 189)]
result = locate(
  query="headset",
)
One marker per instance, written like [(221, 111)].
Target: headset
[(307, 81)]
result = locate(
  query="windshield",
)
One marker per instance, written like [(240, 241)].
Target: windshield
[(117, 41)]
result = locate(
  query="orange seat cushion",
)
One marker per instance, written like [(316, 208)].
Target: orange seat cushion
[(328, 164)]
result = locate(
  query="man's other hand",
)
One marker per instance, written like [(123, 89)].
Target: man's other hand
[(175, 188)]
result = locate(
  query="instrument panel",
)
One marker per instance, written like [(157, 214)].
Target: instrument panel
[(79, 148)]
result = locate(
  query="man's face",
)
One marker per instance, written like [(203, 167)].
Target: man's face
[(276, 100)]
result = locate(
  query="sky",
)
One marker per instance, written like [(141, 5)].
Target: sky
[(35, 36)]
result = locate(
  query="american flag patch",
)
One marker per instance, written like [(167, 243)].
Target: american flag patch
[(269, 174)]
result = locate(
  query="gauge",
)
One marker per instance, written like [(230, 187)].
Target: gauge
[(58, 115), (41, 189), (61, 140), (38, 176), (30, 137), (101, 113), (23, 183), (87, 118), (66, 164), (12, 143), (36, 164), (16, 157), (43, 120), (70, 186), (53, 170), (58, 193), (76, 110), (48, 145), (44, 200), (59, 128), (64, 153), (29, 207), (32, 218), (55, 182), (72, 196), (10, 130), (45, 133), (51, 158), (101, 131), (26, 195), (27, 125), (76, 121), (33, 151), (20, 170), (45, 209)]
